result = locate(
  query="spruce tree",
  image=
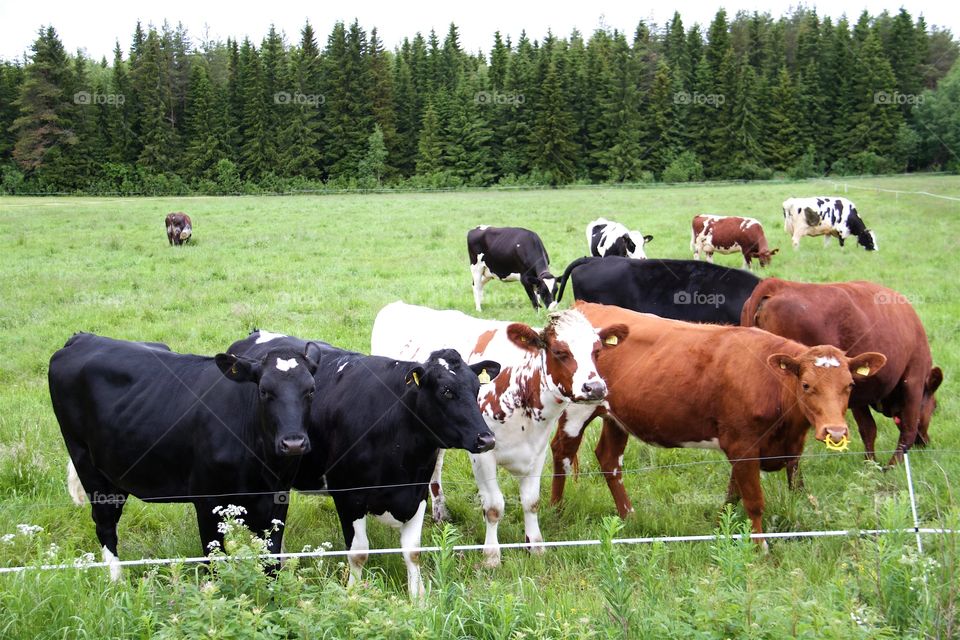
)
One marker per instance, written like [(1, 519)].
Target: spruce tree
[(205, 148), (429, 149)]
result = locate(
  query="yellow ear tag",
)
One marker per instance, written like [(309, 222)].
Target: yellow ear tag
[(484, 376), (840, 445), (416, 378), (864, 370), (612, 340), (233, 370)]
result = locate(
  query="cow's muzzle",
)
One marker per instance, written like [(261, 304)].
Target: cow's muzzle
[(485, 442), (294, 445), (836, 432), (593, 391)]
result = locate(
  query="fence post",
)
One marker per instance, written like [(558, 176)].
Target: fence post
[(913, 500)]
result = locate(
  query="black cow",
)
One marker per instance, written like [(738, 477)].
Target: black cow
[(680, 289), (377, 426), (167, 427), (510, 254)]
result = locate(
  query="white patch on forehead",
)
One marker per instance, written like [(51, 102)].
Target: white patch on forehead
[(286, 365), (444, 364), (266, 336), (826, 361)]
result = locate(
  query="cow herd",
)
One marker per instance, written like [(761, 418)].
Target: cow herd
[(760, 362)]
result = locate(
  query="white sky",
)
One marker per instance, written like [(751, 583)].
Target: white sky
[(95, 26)]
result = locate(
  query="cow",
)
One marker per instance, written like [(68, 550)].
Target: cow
[(858, 317), (746, 392), (542, 372), (511, 254), (827, 216), (730, 234), (680, 289), (377, 426), (179, 228), (608, 238), (139, 419)]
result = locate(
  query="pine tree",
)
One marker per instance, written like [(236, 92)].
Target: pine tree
[(157, 134), (205, 148), (553, 150), (662, 140), (429, 150), (380, 96), (783, 144), (11, 77), (123, 140), (374, 163), (875, 121), (621, 130), (300, 152), (257, 151)]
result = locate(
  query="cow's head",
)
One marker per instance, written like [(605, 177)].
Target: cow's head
[(766, 255), (545, 286), (638, 242), (185, 233), (445, 400), (821, 379), (285, 383), (867, 240), (569, 345)]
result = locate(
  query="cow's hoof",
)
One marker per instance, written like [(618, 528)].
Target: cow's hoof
[(491, 561), (536, 546), (441, 514)]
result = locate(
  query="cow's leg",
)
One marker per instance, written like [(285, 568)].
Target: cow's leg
[(530, 501), (733, 491), (746, 260), (530, 288), (909, 419), (478, 272), (709, 255), (106, 502), (566, 443), (437, 499), (796, 240), (610, 448), (826, 240), (410, 532), (491, 501), (355, 537), (746, 473), (867, 427)]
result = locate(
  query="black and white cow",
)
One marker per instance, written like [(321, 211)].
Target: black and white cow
[(608, 238), (377, 426), (510, 254), (827, 216), (679, 289), (141, 420)]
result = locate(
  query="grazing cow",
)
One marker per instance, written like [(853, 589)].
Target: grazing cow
[(167, 427), (510, 254), (680, 289), (608, 238), (377, 427), (859, 317), (748, 393), (179, 228), (826, 216), (543, 372), (730, 234)]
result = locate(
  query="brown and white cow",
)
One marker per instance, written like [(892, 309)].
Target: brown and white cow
[(179, 228), (748, 393), (542, 372), (730, 234), (859, 317)]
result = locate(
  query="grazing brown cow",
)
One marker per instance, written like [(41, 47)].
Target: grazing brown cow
[(730, 234), (859, 317), (748, 393), (179, 228)]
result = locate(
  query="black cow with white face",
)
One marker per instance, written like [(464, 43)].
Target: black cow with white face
[(609, 238), (687, 290), (510, 254), (377, 427), (139, 419)]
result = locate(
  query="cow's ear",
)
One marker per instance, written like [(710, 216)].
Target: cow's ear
[(613, 335), (238, 369), (524, 336), (934, 380), (774, 252), (784, 363), (647, 239), (414, 376), (486, 370), (311, 354), (866, 364)]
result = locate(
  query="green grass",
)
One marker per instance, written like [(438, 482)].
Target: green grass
[(321, 267)]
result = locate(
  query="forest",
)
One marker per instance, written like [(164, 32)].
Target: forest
[(750, 97)]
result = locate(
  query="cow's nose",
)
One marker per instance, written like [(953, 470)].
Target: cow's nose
[(836, 433), (293, 445), (595, 390), (485, 442)]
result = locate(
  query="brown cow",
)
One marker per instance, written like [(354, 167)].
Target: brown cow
[(730, 234), (179, 228), (859, 317), (748, 393)]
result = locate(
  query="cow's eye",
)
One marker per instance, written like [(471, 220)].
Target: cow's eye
[(265, 395), (308, 395), (806, 387), (447, 393)]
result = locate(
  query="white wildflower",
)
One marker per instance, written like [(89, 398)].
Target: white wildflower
[(7, 538), (28, 529), (213, 545), (84, 560)]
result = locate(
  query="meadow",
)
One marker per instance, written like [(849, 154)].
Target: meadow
[(321, 267)]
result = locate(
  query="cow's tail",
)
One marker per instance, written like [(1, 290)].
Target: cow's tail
[(74, 486), (566, 274)]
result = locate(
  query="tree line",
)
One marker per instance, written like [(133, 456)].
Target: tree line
[(750, 97)]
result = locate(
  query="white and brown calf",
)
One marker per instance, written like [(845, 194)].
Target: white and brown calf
[(730, 234)]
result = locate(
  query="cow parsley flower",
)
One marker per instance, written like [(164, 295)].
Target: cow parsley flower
[(85, 560), (28, 530), (213, 545), (7, 538)]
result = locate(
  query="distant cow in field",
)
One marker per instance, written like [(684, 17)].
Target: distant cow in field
[(179, 228), (748, 393), (680, 289), (730, 234), (826, 216), (510, 254), (608, 238), (859, 317)]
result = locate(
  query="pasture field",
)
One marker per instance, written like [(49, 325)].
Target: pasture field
[(321, 267)]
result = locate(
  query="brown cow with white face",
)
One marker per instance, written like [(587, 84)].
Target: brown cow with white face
[(748, 393), (179, 228), (730, 234)]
